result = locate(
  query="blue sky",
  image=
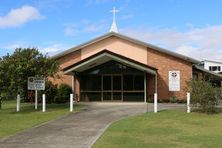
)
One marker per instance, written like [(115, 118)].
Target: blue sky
[(189, 27)]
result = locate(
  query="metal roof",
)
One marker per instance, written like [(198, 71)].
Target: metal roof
[(180, 56), (209, 72)]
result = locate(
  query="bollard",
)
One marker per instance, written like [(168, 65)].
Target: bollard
[(188, 102), (71, 102), (155, 102), (43, 102), (18, 103), (36, 99)]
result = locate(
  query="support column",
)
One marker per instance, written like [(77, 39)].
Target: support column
[(156, 83), (122, 87), (74, 86), (145, 87), (221, 88), (73, 83), (102, 88)]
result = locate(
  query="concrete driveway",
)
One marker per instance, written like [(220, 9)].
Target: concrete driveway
[(78, 130)]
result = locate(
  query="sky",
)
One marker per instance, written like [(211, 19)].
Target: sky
[(190, 27)]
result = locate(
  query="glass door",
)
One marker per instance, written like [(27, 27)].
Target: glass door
[(107, 89), (117, 87), (112, 87)]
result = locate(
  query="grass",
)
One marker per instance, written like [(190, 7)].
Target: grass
[(165, 129), (12, 122)]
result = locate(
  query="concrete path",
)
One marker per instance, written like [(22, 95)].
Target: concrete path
[(78, 130)]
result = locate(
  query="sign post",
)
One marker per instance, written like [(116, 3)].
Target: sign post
[(36, 83)]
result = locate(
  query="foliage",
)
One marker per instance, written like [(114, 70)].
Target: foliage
[(63, 93), (173, 99), (204, 95), (17, 67), (50, 92), (0, 102)]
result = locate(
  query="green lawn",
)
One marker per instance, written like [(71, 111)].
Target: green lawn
[(12, 122), (163, 130)]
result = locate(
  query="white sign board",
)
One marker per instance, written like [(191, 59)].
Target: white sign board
[(35, 83), (174, 80)]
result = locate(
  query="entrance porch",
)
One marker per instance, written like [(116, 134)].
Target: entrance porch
[(107, 76)]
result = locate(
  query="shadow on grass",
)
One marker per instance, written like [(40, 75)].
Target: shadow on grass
[(217, 110), (28, 108)]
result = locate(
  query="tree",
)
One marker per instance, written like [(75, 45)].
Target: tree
[(23, 63), (204, 95)]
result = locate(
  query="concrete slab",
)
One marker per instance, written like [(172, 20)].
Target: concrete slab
[(78, 130)]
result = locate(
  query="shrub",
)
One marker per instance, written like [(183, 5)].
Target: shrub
[(0, 102), (63, 93), (50, 92), (150, 100), (204, 95), (173, 99)]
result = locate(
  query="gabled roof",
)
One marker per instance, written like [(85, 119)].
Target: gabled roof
[(180, 56), (103, 57), (212, 61)]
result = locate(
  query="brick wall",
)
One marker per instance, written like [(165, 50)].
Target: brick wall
[(65, 61), (165, 63)]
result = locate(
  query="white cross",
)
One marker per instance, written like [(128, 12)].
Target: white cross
[(114, 11)]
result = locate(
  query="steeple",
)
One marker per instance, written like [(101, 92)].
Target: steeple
[(114, 26)]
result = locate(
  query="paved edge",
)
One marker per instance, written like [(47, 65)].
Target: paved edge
[(102, 131), (39, 125)]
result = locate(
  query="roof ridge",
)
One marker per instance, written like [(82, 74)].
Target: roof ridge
[(192, 60)]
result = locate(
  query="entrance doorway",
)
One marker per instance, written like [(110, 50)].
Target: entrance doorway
[(112, 87), (112, 81)]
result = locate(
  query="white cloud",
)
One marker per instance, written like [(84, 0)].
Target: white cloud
[(53, 49), (85, 26), (49, 48), (13, 45), (95, 27), (200, 43), (20, 16), (70, 30), (90, 2)]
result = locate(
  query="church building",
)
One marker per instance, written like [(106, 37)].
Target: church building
[(115, 67)]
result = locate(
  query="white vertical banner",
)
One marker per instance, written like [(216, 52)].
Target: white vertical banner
[(71, 102), (155, 102), (43, 102), (18, 103), (174, 80), (188, 102)]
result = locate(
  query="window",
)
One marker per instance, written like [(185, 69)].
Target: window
[(214, 68)]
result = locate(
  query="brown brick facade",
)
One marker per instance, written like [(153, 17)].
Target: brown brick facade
[(165, 63), (162, 61), (66, 61)]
